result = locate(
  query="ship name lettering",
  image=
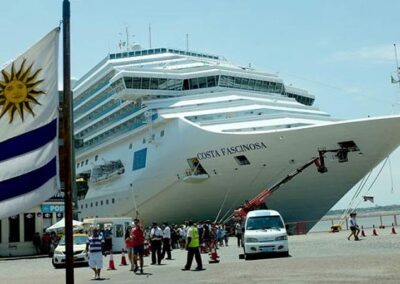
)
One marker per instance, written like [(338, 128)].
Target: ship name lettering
[(225, 151)]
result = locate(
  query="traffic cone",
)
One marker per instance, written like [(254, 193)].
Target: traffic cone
[(111, 265), (213, 253), (374, 233), (393, 229), (123, 259), (362, 231)]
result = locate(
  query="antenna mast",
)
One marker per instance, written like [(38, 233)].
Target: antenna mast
[(149, 35), (127, 38), (187, 42), (397, 63)]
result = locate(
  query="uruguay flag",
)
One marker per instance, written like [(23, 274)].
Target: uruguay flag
[(29, 127)]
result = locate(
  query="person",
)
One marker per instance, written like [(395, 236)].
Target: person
[(94, 246), (355, 230), (166, 242), (193, 247), (37, 243), (129, 245), (137, 236), (156, 235), (108, 239), (238, 233)]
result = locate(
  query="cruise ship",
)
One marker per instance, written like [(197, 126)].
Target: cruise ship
[(171, 135)]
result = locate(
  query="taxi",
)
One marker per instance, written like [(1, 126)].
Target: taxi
[(80, 253)]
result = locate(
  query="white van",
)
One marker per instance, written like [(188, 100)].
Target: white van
[(265, 232)]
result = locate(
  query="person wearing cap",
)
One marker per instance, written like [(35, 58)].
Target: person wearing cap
[(156, 236), (94, 246), (193, 247), (355, 230)]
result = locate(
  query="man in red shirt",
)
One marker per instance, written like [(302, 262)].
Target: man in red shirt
[(137, 236)]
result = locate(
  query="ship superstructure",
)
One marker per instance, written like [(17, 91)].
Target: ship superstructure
[(173, 135)]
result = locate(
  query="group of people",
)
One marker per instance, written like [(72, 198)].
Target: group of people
[(46, 243), (196, 238)]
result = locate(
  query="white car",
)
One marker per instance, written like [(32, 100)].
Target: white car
[(80, 254), (265, 233)]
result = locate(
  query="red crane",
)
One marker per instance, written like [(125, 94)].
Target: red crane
[(256, 202)]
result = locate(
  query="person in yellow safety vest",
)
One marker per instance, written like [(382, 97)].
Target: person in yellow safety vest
[(193, 247)]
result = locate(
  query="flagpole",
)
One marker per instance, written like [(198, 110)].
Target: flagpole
[(67, 146)]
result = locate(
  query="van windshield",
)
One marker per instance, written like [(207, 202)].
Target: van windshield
[(264, 222)]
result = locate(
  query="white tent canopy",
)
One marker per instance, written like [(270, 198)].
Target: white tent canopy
[(60, 225)]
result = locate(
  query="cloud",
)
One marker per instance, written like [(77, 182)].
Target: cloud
[(378, 54)]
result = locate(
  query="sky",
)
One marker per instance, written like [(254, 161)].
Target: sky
[(340, 51)]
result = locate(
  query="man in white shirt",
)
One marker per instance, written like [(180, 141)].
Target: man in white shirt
[(166, 241), (355, 230)]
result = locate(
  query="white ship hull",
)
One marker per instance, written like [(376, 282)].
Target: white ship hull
[(162, 191)]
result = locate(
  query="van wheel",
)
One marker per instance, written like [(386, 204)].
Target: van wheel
[(248, 256), (285, 254)]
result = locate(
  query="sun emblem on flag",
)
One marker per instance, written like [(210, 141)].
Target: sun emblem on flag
[(18, 91)]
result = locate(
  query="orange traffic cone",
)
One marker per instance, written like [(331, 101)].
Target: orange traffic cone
[(213, 253), (111, 265), (374, 233), (123, 259), (362, 231), (393, 229)]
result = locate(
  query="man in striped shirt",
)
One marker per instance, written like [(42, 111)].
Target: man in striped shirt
[(94, 247)]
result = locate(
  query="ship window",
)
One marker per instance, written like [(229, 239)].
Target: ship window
[(91, 204), (87, 161), (128, 82), (242, 160), (130, 146), (211, 81), (139, 159), (194, 83), (107, 201), (96, 157), (113, 201), (154, 83), (135, 84), (202, 82), (97, 203), (81, 206), (145, 83), (101, 202), (144, 140), (162, 133), (162, 84), (77, 165), (86, 205)]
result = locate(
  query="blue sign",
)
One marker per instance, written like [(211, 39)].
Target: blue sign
[(48, 208)]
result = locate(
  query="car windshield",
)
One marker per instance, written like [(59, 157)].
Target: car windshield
[(264, 223), (78, 240)]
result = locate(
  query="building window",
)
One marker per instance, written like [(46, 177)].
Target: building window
[(91, 204), (13, 229), (162, 133), (97, 203), (86, 205), (107, 201), (96, 157), (29, 226), (101, 202), (87, 161), (81, 206), (130, 146), (77, 165), (113, 201), (139, 159)]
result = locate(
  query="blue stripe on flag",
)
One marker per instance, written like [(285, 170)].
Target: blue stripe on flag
[(28, 182), (28, 141)]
